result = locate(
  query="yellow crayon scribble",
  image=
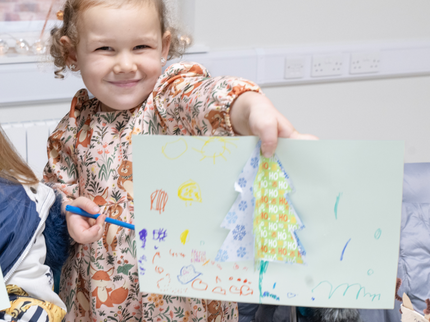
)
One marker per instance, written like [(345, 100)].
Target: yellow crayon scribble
[(215, 147), (189, 191), (173, 150), (184, 236)]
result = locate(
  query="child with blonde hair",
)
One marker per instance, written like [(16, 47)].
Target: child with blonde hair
[(33, 241), (120, 47)]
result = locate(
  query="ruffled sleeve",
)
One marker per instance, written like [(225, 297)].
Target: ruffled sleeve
[(61, 171), (188, 101)]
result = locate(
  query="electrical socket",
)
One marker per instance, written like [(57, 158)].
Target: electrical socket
[(327, 65), (365, 63), (294, 67)]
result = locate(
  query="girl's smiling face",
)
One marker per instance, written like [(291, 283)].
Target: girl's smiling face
[(119, 53)]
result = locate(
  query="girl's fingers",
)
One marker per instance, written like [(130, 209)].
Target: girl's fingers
[(86, 204)]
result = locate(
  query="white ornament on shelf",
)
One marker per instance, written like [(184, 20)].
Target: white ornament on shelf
[(38, 47), (22, 47), (4, 47)]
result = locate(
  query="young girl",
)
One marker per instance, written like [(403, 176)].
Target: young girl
[(33, 240), (119, 47)]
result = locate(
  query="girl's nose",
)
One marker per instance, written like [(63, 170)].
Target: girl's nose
[(125, 64)]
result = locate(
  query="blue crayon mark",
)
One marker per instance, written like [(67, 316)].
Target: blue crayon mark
[(274, 285), (313, 299), (378, 233), (273, 296), (345, 287), (142, 234), (159, 234), (263, 269), (336, 204), (343, 251)]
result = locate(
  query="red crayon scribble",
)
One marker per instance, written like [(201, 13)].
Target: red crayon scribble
[(156, 254), (243, 291), (234, 290), (218, 279), (246, 290), (235, 266), (161, 201), (159, 269), (199, 285), (219, 266), (219, 290)]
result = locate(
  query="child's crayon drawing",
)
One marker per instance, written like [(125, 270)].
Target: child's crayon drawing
[(173, 150), (215, 147), (179, 247), (189, 192)]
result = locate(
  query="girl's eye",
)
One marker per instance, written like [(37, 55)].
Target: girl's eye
[(141, 47), (105, 48)]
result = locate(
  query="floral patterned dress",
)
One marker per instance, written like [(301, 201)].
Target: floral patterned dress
[(90, 155)]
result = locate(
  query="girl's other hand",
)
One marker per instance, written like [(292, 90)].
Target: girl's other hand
[(254, 114), (82, 229)]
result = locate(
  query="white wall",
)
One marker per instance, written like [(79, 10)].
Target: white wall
[(377, 109), (231, 24)]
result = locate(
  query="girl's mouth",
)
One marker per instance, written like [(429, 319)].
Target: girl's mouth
[(125, 83)]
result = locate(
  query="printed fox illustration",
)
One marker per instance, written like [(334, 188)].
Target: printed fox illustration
[(83, 296), (100, 200), (84, 135), (55, 146), (111, 231), (105, 295), (125, 180)]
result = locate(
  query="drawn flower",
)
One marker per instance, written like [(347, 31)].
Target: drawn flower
[(241, 252), (242, 182), (221, 256), (239, 232), (231, 217), (254, 162), (243, 205)]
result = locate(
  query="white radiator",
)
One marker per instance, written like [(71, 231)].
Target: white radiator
[(29, 139)]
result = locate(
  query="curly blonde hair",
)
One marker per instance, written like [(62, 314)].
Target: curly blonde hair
[(72, 9)]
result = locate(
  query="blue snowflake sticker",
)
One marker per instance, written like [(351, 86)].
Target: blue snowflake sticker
[(231, 217), (239, 232), (243, 205), (241, 252), (242, 182), (221, 256)]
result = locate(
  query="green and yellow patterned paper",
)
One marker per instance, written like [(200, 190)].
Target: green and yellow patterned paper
[(274, 217)]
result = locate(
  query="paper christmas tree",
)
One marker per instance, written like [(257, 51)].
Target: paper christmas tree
[(262, 220), (275, 220)]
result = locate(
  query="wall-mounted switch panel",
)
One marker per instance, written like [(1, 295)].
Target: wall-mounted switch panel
[(327, 65), (365, 63), (294, 68)]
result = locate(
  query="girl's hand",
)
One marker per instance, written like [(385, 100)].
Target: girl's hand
[(254, 114), (82, 229)]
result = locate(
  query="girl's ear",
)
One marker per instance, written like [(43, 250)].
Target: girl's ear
[(70, 52), (167, 37)]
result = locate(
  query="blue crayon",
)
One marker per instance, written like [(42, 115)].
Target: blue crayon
[(79, 211)]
